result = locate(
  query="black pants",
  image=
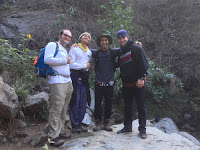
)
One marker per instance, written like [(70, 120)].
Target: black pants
[(139, 94), (107, 93)]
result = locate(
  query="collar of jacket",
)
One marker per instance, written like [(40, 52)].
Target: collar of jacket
[(128, 43)]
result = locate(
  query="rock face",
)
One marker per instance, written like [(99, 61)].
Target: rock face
[(156, 140), (26, 17), (8, 101)]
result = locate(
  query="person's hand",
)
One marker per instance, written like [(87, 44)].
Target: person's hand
[(74, 45), (68, 59), (88, 65), (139, 43), (140, 83)]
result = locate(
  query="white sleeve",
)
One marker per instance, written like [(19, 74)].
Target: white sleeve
[(74, 64), (49, 56)]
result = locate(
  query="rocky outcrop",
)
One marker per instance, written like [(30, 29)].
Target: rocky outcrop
[(34, 103), (166, 125), (156, 140), (8, 101)]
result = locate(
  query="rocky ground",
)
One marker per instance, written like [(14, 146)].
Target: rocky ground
[(15, 141)]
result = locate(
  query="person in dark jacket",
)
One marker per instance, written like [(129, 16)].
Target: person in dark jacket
[(133, 71), (104, 81)]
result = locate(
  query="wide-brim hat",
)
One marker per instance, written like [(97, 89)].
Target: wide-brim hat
[(103, 35)]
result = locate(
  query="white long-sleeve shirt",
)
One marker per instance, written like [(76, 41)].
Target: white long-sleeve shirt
[(79, 58), (58, 63)]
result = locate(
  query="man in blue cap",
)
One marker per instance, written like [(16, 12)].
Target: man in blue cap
[(133, 71)]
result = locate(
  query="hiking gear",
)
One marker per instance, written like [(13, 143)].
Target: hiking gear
[(107, 126), (143, 134), (57, 142), (124, 130), (99, 126), (42, 69), (65, 135), (83, 129), (103, 35)]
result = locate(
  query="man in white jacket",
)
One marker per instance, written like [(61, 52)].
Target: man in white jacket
[(60, 87), (80, 64)]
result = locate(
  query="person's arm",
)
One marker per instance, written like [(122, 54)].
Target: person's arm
[(142, 66), (93, 52), (49, 56), (74, 64)]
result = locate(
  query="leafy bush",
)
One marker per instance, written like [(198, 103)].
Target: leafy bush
[(158, 82), (21, 91), (18, 62)]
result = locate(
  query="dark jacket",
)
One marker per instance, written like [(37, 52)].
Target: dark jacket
[(113, 53), (133, 62)]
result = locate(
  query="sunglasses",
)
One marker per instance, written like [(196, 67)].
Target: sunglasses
[(66, 35)]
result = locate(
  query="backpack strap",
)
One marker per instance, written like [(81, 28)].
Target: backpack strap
[(56, 52)]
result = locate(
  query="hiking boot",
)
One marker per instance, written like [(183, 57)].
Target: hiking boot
[(143, 134), (107, 126), (98, 127), (57, 142), (83, 129), (65, 135), (124, 130), (76, 129), (39, 140)]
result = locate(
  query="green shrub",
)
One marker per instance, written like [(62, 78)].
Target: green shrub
[(18, 63), (21, 91), (158, 82)]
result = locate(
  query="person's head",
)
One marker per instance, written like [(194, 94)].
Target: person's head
[(85, 38), (122, 37), (65, 36), (104, 41)]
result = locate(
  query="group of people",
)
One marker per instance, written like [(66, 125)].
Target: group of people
[(69, 90)]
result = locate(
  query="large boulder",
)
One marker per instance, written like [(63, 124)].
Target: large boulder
[(156, 140), (166, 125), (9, 104), (34, 103)]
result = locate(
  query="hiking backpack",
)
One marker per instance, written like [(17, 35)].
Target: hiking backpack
[(42, 69)]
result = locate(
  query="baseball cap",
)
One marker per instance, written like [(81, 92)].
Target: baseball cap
[(122, 33)]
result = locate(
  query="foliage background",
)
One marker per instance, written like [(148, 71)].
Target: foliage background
[(168, 30)]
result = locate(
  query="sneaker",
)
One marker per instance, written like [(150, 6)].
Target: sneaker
[(143, 134), (57, 142), (124, 130), (64, 135), (76, 129)]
